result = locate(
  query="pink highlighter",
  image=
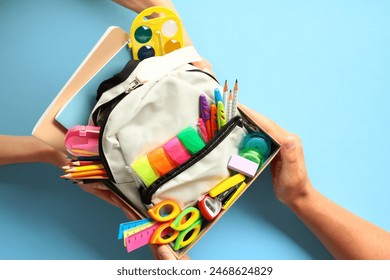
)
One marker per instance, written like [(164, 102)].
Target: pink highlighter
[(83, 140), (176, 151)]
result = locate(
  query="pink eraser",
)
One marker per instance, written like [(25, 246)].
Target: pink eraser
[(243, 165), (176, 151)]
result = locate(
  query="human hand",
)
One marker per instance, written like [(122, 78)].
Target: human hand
[(289, 175)]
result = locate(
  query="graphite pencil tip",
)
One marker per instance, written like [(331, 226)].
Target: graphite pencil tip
[(225, 87)]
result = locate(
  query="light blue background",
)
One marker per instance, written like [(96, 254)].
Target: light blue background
[(318, 68)]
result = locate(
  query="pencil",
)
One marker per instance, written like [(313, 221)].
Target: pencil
[(85, 174), (229, 106), (83, 152), (225, 93), (235, 100), (85, 168), (88, 158), (84, 162)]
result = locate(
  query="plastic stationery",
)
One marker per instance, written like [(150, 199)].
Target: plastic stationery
[(155, 31)]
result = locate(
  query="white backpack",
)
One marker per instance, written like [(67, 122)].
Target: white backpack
[(143, 107)]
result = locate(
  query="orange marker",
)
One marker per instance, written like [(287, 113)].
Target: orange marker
[(214, 120)]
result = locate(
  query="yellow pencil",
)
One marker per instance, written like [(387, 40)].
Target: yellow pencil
[(85, 168), (83, 152), (74, 175)]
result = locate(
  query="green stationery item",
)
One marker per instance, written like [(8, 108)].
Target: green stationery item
[(190, 138)]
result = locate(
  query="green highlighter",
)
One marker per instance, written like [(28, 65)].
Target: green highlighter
[(190, 138)]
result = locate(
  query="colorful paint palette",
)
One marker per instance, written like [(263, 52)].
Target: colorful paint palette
[(155, 31)]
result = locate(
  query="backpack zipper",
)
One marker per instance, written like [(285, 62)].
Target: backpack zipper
[(146, 193), (132, 86)]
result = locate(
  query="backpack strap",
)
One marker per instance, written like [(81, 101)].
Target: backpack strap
[(156, 67)]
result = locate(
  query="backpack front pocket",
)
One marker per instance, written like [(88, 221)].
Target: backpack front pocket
[(187, 182)]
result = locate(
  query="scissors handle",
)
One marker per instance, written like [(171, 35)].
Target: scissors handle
[(165, 211)]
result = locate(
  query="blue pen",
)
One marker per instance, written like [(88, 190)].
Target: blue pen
[(217, 96)]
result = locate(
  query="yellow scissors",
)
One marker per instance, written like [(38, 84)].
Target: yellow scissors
[(181, 226)]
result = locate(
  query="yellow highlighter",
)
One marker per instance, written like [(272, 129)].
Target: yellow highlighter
[(227, 184)]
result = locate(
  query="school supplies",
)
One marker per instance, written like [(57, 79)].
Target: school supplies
[(213, 120), (82, 140), (258, 142), (229, 106), (202, 130), (243, 165), (176, 151), (129, 225), (191, 140), (150, 123), (140, 238), (221, 117), (205, 114), (163, 159), (234, 196), (100, 173), (165, 211), (84, 168), (225, 93), (169, 224), (217, 96), (210, 207), (157, 35), (235, 100), (227, 184)]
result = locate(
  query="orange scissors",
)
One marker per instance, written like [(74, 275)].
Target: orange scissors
[(176, 224)]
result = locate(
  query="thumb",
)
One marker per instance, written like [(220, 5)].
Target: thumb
[(290, 155)]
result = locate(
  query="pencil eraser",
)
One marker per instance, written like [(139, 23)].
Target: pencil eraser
[(243, 165)]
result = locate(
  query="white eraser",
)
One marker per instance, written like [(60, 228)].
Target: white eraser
[(243, 165)]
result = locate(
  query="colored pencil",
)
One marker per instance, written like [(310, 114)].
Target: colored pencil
[(85, 174), (83, 152), (85, 162), (85, 168)]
